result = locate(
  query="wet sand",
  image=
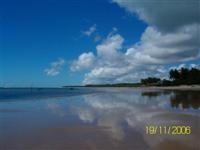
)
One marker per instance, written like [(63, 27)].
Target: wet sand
[(110, 119)]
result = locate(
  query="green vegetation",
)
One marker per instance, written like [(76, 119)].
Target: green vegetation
[(150, 81), (183, 76)]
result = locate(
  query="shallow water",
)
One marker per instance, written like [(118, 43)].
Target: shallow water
[(97, 119)]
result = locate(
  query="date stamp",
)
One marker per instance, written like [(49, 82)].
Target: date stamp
[(168, 130)]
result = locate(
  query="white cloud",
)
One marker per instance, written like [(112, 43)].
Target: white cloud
[(195, 66), (173, 33), (139, 61), (85, 61), (181, 66), (55, 67), (108, 48), (178, 67), (90, 31), (171, 37), (158, 48), (113, 66), (123, 74)]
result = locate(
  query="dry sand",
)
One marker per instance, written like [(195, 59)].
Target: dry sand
[(181, 87)]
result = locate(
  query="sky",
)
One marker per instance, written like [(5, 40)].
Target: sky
[(58, 42)]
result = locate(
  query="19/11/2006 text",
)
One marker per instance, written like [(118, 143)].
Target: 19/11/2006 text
[(168, 130)]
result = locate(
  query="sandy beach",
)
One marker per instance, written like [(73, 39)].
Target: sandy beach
[(181, 87), (147, 88), (103, 119)]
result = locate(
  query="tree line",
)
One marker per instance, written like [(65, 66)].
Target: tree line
[(176, 77)]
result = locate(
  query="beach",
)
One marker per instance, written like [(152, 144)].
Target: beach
[(181, 87), (102, 119)]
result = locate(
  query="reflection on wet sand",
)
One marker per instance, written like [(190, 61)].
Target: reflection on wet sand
[(188, 99), (178, 99), (152, 94), (110, 120), (124, 114)]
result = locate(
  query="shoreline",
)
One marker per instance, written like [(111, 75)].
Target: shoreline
[(181, 87), (176, 87)]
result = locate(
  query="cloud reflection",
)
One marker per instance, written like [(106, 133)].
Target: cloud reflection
[(124, 111), (124, 114)]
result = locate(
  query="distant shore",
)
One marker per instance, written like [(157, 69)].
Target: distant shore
[(178, 87), (181, 87)]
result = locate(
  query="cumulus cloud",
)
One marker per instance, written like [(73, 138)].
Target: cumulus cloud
[(145, 58), (90, 31), (157, 48), (172, 36), (55, 67), (113, 66), (85, 61), (108, 48), (126, 74), (173, 31)]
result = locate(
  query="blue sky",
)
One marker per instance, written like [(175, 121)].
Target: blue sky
[(36, 33)]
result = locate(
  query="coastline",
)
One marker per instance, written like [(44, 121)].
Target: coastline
[(181, 87)]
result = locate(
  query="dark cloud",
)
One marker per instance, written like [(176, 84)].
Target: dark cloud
[(165, 15)]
